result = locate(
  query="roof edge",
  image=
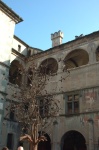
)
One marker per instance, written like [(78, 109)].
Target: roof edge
[(9, 12), (24, 43), (20, 40)]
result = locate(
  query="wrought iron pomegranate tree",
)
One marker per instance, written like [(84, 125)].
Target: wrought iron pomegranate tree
[(33, 108)]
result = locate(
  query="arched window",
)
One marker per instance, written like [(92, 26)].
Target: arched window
[(19, 48)]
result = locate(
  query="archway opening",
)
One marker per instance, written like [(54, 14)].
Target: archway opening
[(15, 73), (45, 145), (49, 66), (73, 140), (76, 58), (97, 54)]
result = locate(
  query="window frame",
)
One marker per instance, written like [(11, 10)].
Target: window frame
[(44, 103), (43, 107), (19, 48), (72, 102)]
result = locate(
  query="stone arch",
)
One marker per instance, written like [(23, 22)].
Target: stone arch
[(76, 58), (49, 66), (97, 54), (15, 76), (45, 145), (73, 140)]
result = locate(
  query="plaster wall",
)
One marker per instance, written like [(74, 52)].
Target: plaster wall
[(23, 49), (7, 26), (84, 80), (6, 30)]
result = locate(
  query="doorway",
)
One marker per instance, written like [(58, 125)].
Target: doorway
[(73, 140), (10, 141), (45, 145)]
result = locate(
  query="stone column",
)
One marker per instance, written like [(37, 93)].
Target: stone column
[(59, 66), (91, 134), (92, 53), (55, 143)]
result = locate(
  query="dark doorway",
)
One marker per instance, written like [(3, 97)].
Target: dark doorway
[(73, 140), (45, 145), (10, 141)]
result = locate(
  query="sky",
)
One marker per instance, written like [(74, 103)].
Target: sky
[(45, 17)]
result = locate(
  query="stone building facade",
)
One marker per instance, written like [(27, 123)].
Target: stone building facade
[(77, 126)]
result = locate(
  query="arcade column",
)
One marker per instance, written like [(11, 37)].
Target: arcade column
[(55, 142), (91, 134)]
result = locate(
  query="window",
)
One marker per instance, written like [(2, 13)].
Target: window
[(11, 115), (44, 107), (29, 52), (19, 48), (72, 104)]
